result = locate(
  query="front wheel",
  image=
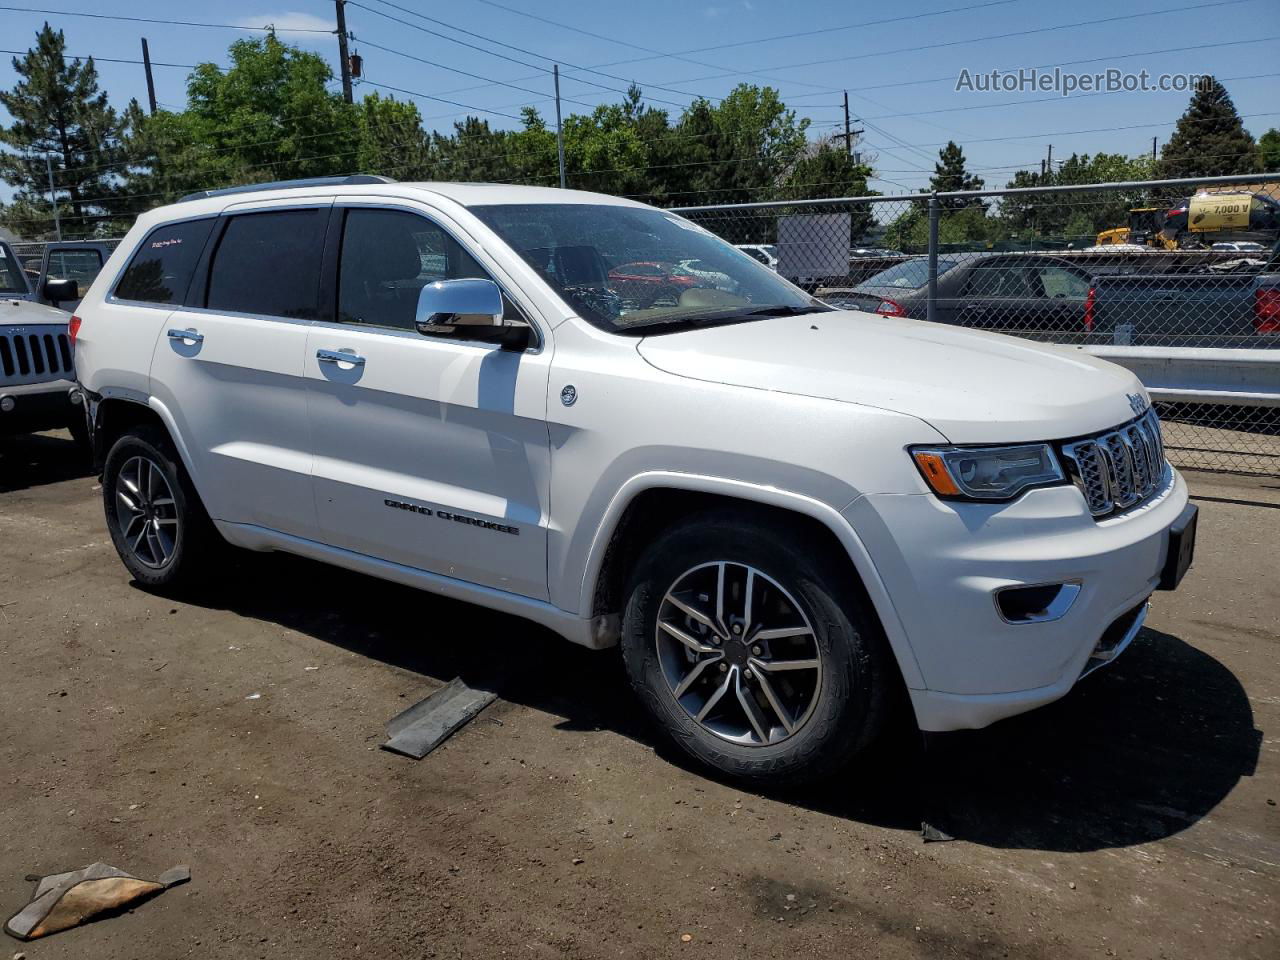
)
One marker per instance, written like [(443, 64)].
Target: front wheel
[(751, 653)]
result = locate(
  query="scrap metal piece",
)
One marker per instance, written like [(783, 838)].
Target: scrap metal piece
[(429, 722)]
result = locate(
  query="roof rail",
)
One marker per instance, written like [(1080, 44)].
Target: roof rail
[(347, 180)]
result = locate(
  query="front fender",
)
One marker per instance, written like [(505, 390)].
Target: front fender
[(828, 516)]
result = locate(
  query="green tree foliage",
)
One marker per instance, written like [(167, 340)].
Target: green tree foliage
[(1077, 215), (1269, 150), (829, 171), (58, 110), (1210, 139), (270, 116), (950, 174)]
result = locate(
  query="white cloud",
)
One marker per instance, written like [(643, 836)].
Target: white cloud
[(287, 21)]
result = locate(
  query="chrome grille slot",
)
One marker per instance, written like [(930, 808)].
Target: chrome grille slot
[(34, 355), (1120, 468)]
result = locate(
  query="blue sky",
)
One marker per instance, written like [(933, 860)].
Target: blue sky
[(843, 48)]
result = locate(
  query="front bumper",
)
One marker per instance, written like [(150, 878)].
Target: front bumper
[(39, 406), (943, 564)]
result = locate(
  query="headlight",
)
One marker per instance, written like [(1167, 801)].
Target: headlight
[(987, 473)]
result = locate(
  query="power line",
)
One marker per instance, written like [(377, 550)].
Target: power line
[(995, 36), (824, 30), (176, 23), (428, 96), (154, 63), (432, 63), (509, 46), (1015, 103), (1065, 63)]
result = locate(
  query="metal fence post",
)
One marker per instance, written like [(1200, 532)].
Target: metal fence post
[(931, 306)]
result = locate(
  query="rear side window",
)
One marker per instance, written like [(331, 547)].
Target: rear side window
[(161, 270), (269, 264)]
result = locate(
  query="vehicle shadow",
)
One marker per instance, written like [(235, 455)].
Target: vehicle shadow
[(1138, 752), (36, 459)]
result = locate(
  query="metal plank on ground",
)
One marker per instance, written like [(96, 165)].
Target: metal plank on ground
[(428, 723)]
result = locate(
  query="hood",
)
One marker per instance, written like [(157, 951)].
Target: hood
[(972, 387), (28, 312)]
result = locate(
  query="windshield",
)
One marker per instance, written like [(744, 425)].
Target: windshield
[(641, 270), (908, 275), (11, 278)]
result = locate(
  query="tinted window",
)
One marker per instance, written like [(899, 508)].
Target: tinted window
[(11, 280), (161, 269), (269, 264), (82, 266), (388, 256), (908, 275)]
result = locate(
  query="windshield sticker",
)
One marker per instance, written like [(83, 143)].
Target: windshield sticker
[(160, 244)]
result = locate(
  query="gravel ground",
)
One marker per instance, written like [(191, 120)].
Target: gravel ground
[(237, 731)]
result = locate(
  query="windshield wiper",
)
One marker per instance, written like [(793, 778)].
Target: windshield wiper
[(733, 315)]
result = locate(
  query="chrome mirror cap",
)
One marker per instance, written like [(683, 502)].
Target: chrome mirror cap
[(442, 302)]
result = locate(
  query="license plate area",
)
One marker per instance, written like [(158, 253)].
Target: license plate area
[(1181, 548)]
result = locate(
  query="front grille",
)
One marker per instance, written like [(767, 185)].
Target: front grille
[(1120, 468), (33, 356)]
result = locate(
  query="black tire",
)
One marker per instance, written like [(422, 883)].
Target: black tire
[(79, 431), (196, 542), (853, 691)]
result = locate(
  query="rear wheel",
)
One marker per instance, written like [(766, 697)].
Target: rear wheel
[(751, 653), (155, 518)]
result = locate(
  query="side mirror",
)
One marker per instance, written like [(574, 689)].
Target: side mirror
[(59, 290), (442, 305)]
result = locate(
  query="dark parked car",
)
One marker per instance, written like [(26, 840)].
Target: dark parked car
[(998, 291)]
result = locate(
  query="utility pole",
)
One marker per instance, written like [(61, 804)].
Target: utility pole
[(151, 84), (1153, 149), (341, 6), (1048, 164), (555, 71), (848, 134), (53, 196)]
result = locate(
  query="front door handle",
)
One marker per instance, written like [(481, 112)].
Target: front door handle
[(186, 336), (339, 356)]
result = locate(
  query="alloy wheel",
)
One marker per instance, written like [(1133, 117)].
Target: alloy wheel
[(146, 512), (738, 653)]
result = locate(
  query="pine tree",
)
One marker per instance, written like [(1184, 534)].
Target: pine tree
[(1210, 140), (949, 174), (58, 110), (1269, 149)]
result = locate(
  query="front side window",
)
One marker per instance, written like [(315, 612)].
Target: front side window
[(269, 264), (619, 267), (82, 266), (11, 279), (161, 270), (388, 256)]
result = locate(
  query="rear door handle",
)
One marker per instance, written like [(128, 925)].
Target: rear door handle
[(339, 356), (187, 336)]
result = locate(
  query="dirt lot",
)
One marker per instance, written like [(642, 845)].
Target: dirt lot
[(1137, 818)]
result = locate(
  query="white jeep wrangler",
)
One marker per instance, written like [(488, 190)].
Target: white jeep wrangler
[(786, 514)]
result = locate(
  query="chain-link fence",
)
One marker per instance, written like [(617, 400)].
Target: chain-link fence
[(1182, 274)]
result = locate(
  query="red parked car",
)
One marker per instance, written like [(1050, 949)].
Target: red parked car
[(647, 281)]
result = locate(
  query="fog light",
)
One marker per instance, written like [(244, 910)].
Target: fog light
[(1036, 604), (7, 404), (75, 396)]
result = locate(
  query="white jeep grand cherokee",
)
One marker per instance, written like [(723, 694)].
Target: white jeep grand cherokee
[(786, 514)]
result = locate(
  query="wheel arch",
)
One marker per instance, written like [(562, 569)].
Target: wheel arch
[(628, 525)]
